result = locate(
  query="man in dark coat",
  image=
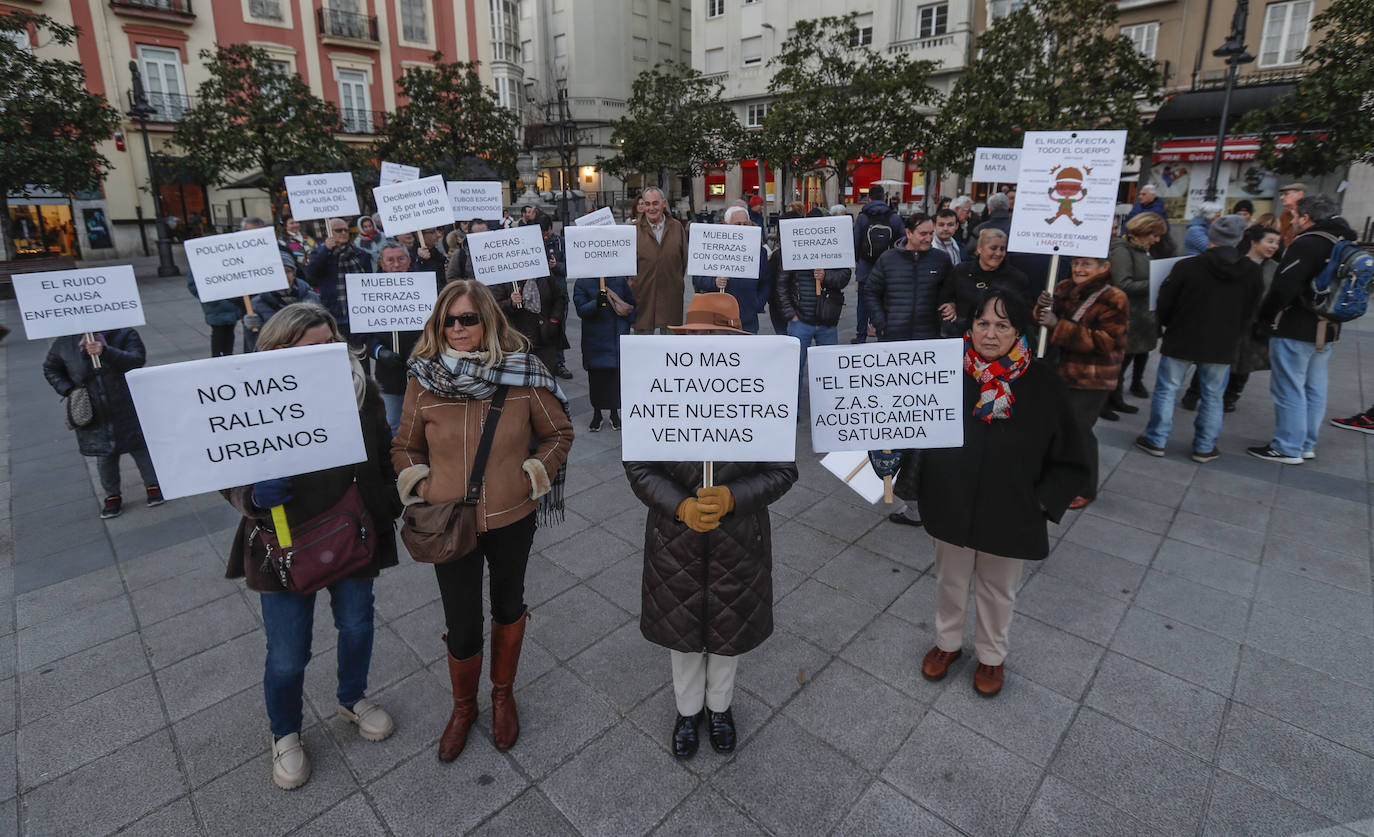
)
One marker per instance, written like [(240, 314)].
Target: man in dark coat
[(903, 292), (1205, 308), (877, 212), (327, 266)]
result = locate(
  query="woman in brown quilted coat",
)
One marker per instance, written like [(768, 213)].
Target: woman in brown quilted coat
[(708, 563)]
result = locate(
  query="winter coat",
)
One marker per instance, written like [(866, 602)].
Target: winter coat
[(269, 303), (219, 312), (544, 330), (967, 281), (658, 281), (1252, 355), (999, 220), (1195, 238), (299, 247), (459, 263), (1131, 273), (1091, 349), (902, 294), (795, 296), (1289, 300), (114, 428), (751, 294), (1156, 206), (877, 212), (371, 246), (601, 326), (994, 493), (326, 270), (708, 591), (437, 263), (316, 493), (1206, 305)]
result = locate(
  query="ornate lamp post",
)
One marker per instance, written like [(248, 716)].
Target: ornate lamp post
[(140, 112), (1234, 53)]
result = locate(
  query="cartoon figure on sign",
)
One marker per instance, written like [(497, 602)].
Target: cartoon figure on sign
[(1067, 191)]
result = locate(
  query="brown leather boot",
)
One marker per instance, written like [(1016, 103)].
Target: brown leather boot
[(505, 658), (464, 674)]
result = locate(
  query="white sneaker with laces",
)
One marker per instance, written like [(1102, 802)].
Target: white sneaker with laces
[(373, 722), (290, 764)]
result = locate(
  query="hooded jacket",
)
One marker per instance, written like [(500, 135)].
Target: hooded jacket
[(1289, 300), (1206, 305)]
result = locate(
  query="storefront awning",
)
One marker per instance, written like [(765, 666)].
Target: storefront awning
[(1198, 113), (1203, 149)]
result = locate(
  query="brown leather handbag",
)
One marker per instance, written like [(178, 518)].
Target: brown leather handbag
[(442, 532)]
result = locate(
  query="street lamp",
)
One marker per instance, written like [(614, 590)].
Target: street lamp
[(1234, 53), (139, 112)]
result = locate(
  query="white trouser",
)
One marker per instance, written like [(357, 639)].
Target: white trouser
[(994, 593), (703, 678)]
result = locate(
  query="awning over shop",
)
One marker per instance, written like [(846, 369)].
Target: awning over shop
[(1198, 113), (1203, 149)]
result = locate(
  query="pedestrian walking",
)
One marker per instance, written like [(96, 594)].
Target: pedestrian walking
[(607, 309)]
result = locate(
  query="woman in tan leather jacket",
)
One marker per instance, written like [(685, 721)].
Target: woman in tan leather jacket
[(466, 353)]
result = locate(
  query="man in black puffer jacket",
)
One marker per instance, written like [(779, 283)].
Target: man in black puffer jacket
[(902, 295)]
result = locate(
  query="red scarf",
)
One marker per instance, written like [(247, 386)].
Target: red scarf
[(994, 378)]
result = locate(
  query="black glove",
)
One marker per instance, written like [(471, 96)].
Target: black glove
[(885, 463), (387, 357), (269, 493)]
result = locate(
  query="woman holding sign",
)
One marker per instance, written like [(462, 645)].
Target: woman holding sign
[(985, 504), (471, 371), (607, 308), (322, 501)]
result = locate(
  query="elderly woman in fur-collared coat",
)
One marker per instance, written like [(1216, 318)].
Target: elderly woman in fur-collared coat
[(708, 564)]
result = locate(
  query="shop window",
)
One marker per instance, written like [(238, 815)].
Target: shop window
[(1285, 33), (42, 230)]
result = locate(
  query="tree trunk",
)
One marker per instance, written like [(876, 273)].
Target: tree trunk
[(842, 180), (785, 196)]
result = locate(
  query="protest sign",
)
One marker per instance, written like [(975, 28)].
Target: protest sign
[(996, 165), (389, 301), (240, 419), (321, 195), (56, 303), (816, 242), (723, 250), (476, 199), (398, 173), (708, 397), (512, 255), (602, 217), (854, 469), (414, 205), (600, 251), (1159, 271), (235, 264), (1066, 193), (886, 396)]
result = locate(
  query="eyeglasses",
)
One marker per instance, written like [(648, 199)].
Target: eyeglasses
[(337, 230), (467, 319)]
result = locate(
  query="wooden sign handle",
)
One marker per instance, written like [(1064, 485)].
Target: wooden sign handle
[(1049, 289), (95, 359), (887, 486)]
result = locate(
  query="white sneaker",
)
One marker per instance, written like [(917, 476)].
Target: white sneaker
[(1309, 454), (290, 764), (373, 722)]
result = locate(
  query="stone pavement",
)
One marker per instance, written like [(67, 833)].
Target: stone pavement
[(1194, 658)]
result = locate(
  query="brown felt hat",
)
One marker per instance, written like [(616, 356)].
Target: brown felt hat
[(711, 312), (1293, 187)]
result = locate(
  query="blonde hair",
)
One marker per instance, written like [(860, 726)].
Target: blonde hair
[(498, 336), (290, 324), (1143, 225)]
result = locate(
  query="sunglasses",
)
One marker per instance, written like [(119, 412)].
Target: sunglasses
[(467, 319)]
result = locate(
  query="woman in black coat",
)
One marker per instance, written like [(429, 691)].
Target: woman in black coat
[(114, 428), (607, 308), (971, 278), (985, 504)]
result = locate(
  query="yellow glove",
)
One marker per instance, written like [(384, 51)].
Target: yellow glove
[(690, 512), (717, 496)]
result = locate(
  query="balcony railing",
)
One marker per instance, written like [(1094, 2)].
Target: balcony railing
[(176, 7), (1216, 79), (354, 121), (167, 107), (347, 25)]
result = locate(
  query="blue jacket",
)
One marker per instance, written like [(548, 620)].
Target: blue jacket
[(1156, 206), (751, 294), (1195, 239), (601, 327), (218, 312), (902, 294), (877, 210)]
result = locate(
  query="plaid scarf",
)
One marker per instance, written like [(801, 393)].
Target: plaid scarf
[(994, 378), (466, 375), (333, 288)]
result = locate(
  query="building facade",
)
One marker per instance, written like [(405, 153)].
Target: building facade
[(350, 52)]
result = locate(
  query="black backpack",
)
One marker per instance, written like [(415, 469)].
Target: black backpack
[(877, 238)]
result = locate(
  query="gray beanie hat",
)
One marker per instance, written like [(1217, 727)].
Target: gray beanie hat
[(1226, 231)]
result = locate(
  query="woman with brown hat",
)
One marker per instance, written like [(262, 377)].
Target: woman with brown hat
[(708, 561)]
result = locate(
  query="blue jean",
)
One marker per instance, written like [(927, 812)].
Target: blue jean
[(1170, 379), (861, 271), (1298, 384), (289, 619), (807, 333), (393, 403)]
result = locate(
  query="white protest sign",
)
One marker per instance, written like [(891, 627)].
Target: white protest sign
[(389, 301), (709, 397), (476, 199), (887, 396), (414, 205), (398, 173), (856, 472), (816, 242), (602, 217), (723, 250), (600, 251), (512, 255), (235, 264), (1066, 192), (1159, 271), (240, 419), (996, 165), (321, 195), (61, 302)]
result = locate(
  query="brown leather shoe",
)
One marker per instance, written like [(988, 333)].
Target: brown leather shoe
[(464, 675), (506, 641), (936, 664), (987, 680)]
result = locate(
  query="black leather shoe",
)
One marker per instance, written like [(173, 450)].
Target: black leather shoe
[(722, 726), (685, 739), (563, 372), (1108, 414), (900, 517)]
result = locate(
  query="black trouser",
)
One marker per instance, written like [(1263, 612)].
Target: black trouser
[(221, 340), (1086, 405), (507, 551), (1136, 363)]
